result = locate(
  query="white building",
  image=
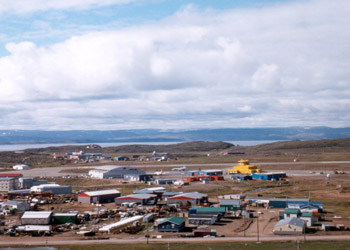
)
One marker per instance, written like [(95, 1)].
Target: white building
[(53, 188), (20, 167), (36, 218), (111, 171)]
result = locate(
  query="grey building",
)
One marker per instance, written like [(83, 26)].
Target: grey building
[(36, 218), (106, 172), (143, 199), (51, 188), (290, 225), (7, 184), (26, 183), (18, 205)]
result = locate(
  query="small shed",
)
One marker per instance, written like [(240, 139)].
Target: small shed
[(36, 218), (172, 224), (62, 218)]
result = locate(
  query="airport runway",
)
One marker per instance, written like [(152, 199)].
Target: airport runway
[(56, 171)]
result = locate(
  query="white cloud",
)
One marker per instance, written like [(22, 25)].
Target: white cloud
[(285, 65), (28, 6)]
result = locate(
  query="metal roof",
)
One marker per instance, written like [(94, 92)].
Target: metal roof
[(137, 196), (102, 192), (210, 209), (194, 195), (291, 211), (40, 214), (231, 202), (176, 220), (292, 221), (124, 222), (10, 175)]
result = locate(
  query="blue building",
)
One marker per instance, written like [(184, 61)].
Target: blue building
[(172, 224), (269, 176)]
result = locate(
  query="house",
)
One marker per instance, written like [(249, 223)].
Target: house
[(291, 212), (188, 199), (111, 171), (290, 225), (36, 218), (20, 167), (143, 199), (309, 218), (172, 224), (103, 196), (231, 205)]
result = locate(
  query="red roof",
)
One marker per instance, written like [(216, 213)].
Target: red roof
[(180, 198), (10, 175)]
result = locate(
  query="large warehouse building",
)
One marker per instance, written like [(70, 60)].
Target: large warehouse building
[(111, 171)]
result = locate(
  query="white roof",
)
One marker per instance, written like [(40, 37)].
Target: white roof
[(154, 189), (40, 214), (102, 192), (109, 227), (107, 167)]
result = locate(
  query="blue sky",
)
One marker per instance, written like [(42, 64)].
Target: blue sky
[(114, 64), (45, 27)]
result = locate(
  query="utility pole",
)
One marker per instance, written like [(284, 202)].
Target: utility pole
[(244, 214), (257, 225)]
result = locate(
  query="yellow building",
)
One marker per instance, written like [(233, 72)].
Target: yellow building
[(243, 167)]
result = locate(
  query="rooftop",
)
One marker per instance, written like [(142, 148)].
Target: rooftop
[(102, 192)]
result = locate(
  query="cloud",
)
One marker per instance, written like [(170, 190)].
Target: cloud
[(283, 65), (29, 6)]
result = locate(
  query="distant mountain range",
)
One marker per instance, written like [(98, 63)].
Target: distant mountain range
[(156, 135)]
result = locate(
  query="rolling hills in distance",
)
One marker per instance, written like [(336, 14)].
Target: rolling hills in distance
[(157, 135)]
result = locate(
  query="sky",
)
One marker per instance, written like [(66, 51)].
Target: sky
[(174, 64)]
